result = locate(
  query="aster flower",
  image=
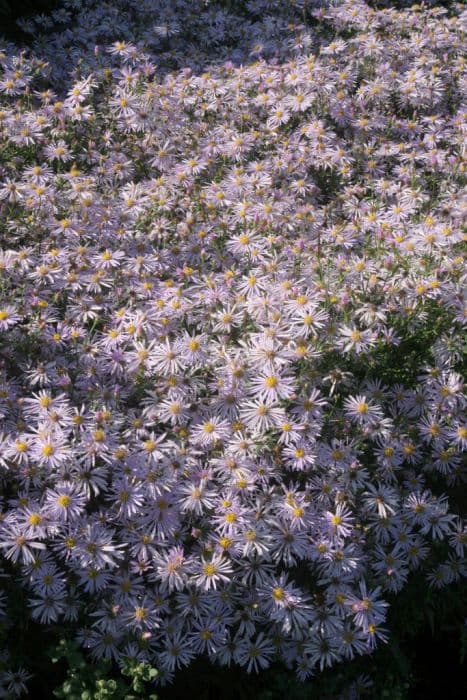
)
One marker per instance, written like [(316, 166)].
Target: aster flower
[(362, 410), (260, 415), (177, 652), (151, 446), (170, 569), (166, 359), (8, 317), (323, 651), (48, 581), (206, 636), (289, 545), (272, 386), (210, 431), (375, 633), (96, 547), (458, 434), (255, 654), (128, 496), (196, 497), (20, 449), (18, 546), (65, 502), (17, 680), (141, 615), (36, 523), (11, 191), (46, 609), (209, 573), (340, 522), (286, 605), (352, 339), (300, 456), (382, 499), (366, 608), (50, 449)]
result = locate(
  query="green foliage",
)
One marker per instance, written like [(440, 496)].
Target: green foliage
[(85, 681), (402, 363)]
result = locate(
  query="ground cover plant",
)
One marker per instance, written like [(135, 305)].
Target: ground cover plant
[(232, 339)]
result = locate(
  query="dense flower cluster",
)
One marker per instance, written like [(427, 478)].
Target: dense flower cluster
[(204, 270)]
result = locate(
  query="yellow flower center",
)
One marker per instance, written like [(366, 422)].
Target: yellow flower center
[(209, 569), (141, 614), (278, 593), (99, 435)]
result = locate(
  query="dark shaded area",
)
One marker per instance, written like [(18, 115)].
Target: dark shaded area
[(421, 668), (12, 10), (437, 671), (426, 659)]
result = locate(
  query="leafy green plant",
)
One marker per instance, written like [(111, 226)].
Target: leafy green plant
[(85, 681)]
